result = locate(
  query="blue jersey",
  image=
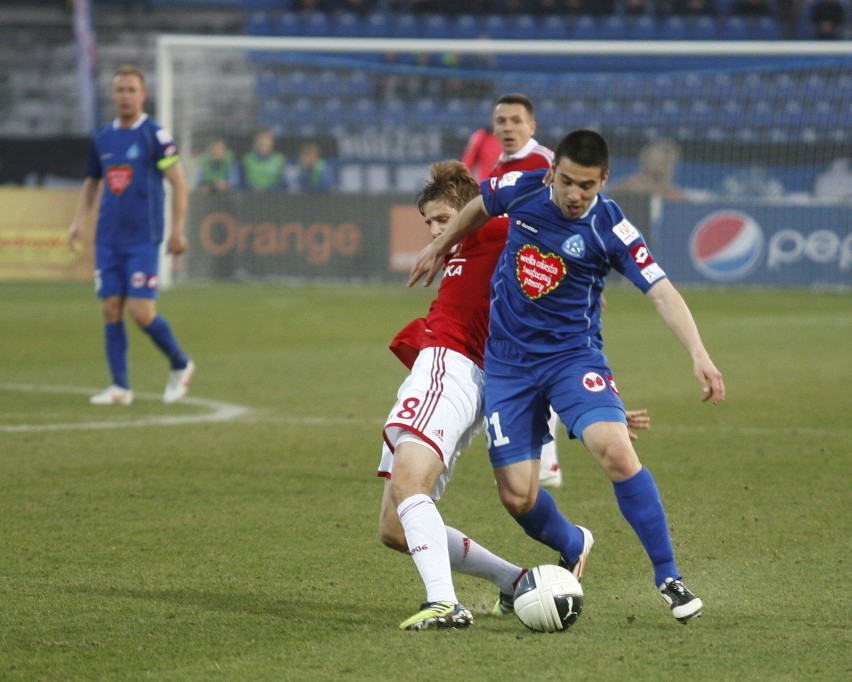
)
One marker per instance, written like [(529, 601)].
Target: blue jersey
[(131, 162), (546, 289)]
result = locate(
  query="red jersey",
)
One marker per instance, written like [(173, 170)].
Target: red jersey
[(458, 317)]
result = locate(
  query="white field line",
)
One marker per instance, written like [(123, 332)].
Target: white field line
[(216, 412)]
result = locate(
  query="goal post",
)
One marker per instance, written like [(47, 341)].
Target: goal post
[(753, 121)]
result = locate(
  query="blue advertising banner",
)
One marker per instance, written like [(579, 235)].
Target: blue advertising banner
[(769, 245)]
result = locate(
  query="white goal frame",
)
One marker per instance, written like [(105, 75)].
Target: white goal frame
[(168, 44)]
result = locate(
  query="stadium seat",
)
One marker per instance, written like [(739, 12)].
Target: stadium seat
[(554, 27), (347, 25), (733, 28), (267, 83), (701, 113), (289, 24), (405, 25), (293, 83), (584, 27), (612, 28), (764, 28), (316, 24), (702, 28), (271, 113), (435, 27), (523, 27), (456, 110), (673, 28), (394, 111), (377, 25), (577, 113), (464, 27), (642, 28), (495, 26), (259, 24)]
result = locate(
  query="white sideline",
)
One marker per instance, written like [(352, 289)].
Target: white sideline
[(217, 412)]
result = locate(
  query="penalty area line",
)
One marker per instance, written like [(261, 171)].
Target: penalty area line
[(217, 411)]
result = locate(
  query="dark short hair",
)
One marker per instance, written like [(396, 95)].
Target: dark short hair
[(517, 98), (584, 147), (451, 183)]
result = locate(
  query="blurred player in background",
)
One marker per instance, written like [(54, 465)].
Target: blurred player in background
[(133, 155), (545, 347)]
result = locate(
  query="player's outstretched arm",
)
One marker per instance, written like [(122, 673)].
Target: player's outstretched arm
[(677, 316), (431, 258)]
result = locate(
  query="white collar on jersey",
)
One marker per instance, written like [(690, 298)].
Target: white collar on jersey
[(139, 121), (523, 152)]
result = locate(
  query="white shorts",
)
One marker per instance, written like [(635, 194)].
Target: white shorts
[(439, 405)]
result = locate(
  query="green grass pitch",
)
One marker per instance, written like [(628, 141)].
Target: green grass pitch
[(157, 542)]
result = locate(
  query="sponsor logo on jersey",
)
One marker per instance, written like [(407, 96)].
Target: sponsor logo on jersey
[(593, 382), (509, 179), (612, 385), (641, 255), (652, 273), (164, 137), (626, 232), (538, 273), (454, 267), (137, 280), (726, 245), (529, 228), (575, 246), (133, 152), (118, 178), (438, 433)]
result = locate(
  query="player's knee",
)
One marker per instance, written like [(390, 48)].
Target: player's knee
[(517, 504)]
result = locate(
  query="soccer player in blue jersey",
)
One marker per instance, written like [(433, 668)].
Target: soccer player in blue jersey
[(130, 157), (545, 346)]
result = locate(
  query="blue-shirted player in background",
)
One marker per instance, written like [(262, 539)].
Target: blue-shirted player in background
[(545, 346), (130, 157)]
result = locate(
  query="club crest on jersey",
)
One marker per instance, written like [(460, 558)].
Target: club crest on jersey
[(574, 246), (119, 178), (538, 273), (593, 382)]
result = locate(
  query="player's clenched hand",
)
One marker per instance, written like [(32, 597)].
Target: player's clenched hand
[(637, 419), (73, 236), (426, 266), (710, 378), (177, 244)]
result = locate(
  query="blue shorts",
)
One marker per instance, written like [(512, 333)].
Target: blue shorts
[(521, 387), (130, 271)]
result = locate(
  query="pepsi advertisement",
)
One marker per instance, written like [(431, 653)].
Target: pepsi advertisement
[(771, 245)]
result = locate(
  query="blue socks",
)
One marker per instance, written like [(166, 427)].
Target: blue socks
[(639, 501), (161, 334), (115, 343), (545, 523)]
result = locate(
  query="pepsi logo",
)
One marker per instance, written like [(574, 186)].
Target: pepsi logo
[(726, 245)]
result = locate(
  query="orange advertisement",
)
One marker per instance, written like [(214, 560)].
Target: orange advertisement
[(408, 235), (33, 226)]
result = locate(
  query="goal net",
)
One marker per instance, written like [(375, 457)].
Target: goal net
[(749, 123)]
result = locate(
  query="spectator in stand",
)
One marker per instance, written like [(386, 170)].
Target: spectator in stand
[(599, 8), (312, 174), (828, 18), (789, 17), (751, 8), (657, 162), (482, 152), (263, 167), (356, 6), (687, 8), (218, 170), (635, 8)]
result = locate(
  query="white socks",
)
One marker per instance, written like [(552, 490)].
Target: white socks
[(548, 450), (427, 544), (470, 558)]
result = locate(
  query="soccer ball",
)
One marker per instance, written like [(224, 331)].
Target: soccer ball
[(548, 599)]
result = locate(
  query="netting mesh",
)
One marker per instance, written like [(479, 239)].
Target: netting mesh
[(744, 125)]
